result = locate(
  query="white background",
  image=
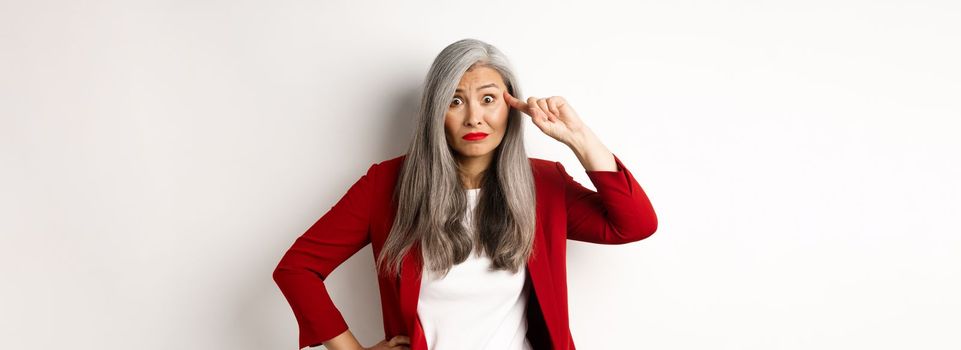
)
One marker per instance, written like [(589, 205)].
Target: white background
[(158, 158)]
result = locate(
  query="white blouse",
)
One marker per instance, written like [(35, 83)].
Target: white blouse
[(473, 308)]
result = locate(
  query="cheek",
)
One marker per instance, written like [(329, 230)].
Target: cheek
[(450, 127), (500, 117), (448, 122)]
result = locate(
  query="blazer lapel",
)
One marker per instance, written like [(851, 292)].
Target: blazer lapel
[(410, 280), (538, 267)]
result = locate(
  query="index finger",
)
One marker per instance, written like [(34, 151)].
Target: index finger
[(516, 103)]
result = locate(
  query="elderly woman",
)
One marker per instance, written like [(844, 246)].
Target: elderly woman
[(469, 233)]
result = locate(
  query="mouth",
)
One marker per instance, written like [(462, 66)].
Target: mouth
[(474, 136)]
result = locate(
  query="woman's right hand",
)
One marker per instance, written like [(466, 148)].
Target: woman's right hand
[(400, 342)]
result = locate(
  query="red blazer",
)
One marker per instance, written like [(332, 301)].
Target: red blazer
[(618, 212)]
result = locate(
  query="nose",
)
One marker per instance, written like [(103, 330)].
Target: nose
[(475, 115)]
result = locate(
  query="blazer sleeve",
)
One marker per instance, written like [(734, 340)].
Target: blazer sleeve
[(618, 212), (336, 236)]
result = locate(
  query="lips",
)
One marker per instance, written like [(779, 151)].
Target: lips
[(474, 136)]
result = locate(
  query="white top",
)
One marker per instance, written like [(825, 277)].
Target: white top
[(472, 308)]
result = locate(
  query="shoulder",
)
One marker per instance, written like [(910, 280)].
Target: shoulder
[(547, 171), (389, 165), (540, 166), (541, 163), (386, 170)]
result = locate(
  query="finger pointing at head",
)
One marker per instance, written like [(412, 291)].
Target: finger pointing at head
[(516, 103)]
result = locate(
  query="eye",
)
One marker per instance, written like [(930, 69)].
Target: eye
[(456, 101), (488, 98)]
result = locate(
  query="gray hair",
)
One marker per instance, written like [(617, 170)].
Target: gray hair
[(431, 199)]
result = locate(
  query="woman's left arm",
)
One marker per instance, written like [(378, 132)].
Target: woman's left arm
[(619, 211), (594, 156)]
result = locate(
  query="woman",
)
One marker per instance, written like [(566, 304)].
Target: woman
[(469, 234)]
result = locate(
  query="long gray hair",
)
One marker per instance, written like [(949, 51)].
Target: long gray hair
[(430, 196)]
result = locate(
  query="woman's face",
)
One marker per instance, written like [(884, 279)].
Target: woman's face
[(477, 108)]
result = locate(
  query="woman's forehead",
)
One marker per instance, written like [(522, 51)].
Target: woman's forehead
[(480, 77)]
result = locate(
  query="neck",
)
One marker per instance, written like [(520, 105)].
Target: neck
[(471, 169)]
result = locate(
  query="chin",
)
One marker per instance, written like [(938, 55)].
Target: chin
[(474, 153)]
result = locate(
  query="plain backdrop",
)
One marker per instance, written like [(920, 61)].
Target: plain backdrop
[(159, 157)]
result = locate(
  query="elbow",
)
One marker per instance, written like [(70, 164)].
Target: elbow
[(290, 272), (282, 273), (640, 231), (649, 232), (641, 235), (650, 226), (641, 225), (647, 225), (278, 275)]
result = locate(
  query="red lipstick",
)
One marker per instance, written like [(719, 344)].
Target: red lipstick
[(474, 136)]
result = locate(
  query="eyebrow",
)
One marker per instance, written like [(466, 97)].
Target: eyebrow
[(482, 87)]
